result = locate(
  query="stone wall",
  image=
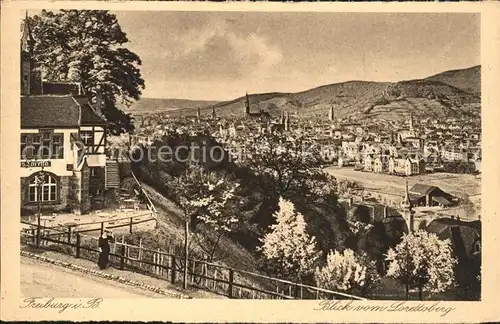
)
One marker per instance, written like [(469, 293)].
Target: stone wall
[(81, 203), (85, 199)]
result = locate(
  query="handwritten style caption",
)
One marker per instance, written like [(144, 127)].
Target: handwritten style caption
[(52, 303), (400, 306)]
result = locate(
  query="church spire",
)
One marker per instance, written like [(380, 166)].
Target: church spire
[(27, 40), (406, 203), (31, 77), (408, 211), (331, 113)]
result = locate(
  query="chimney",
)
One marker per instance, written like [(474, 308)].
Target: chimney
[(351, 200), (98, 100)]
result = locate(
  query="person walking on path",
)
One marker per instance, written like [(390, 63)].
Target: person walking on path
[(104, 239)]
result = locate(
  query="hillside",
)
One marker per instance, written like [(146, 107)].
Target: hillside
[(451, 93), (468, 80), (146, 105)]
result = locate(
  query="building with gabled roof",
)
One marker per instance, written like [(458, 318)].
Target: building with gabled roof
[(62, 141), (427, 195)]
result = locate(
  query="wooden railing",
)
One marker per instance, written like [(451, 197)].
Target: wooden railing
[(150, 204), (219, 279), (99, 226)]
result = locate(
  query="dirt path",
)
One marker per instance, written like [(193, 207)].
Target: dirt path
[(40, 279)]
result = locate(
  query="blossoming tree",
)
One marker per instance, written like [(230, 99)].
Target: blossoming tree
[(422, 261), (288, 246), (207, 199), (347, 272)]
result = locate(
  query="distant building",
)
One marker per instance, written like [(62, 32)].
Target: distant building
[(247, 113), (406, 166), (425, 195), (454, 154)]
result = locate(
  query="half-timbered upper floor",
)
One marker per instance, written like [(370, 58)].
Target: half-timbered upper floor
[(58, 130)]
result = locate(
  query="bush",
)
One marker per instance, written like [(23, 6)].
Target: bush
[(460, 167), (348, 272)]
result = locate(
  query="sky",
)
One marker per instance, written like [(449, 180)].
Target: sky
[(222, 55)]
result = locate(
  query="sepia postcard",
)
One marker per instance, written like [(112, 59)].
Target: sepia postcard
[(250, 162)]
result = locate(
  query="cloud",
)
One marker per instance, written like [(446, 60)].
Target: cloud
[(218, 50)]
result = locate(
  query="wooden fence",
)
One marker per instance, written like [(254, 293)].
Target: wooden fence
[(129, 222), (219, 279)]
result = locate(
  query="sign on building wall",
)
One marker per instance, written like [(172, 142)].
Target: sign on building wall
[(35, 164)]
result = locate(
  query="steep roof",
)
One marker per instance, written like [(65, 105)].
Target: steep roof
[(49, 111), (462, 234), (422, 189), (57, 111), (89, 115)]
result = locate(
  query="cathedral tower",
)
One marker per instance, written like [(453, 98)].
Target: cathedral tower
[(246, 106)]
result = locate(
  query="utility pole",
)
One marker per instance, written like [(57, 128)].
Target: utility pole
[(40, 178)]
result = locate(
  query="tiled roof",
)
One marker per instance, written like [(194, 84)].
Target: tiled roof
[(57, 111), (49, 111)]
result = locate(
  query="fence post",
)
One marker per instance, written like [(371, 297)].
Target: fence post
[(172, 274), (102, 228), (130, 225), (77, 245), (33, 236), (231, 279), (122, 257), (69, 234), (298, 291), (38, 234)]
